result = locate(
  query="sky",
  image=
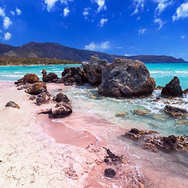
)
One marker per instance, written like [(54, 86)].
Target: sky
[(122, 27)]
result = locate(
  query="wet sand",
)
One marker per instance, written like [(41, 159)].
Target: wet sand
[(69, 152)]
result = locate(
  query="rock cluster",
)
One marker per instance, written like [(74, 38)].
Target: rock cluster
[(155, 142), (126, 78), (50, 77)]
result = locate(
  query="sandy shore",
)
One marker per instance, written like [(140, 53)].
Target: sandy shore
[(65, 153)]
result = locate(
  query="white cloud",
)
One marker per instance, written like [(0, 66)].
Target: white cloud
[(160, 22), (103, 21), (183, 36), (18, 11), (162, 5), (66, 11), (7, 36), (181, 12), (139, 4), (129, 55), (12, 12), (2, 12), (101, 46), (51, 3), (101, 4), (6, 22), (86, 12), (119, 47), (141, 31)]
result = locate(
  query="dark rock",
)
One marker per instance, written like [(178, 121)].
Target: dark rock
[(43, 98), (28, 78), (134, 131), (32, 97), (170, 143), (109, 172), (111, 158), (73, 75), (60, 97), (173, 88), (51, 77), (93, 69), (159, 88), (36, 88), (175, 112), (185, 91), (126, 78), (12, 104)]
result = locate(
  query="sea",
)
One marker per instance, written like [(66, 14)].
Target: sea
[(86, 99)]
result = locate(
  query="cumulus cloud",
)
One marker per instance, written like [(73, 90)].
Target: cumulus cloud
[(2, 12), (12, 12), (141, 31), (51, 3), (66, 11), (160, 22), (6, 22), (101, 46), (101, 4), (181, 12), (18, 11), (7, 36), (162, 5), (103, 21), (139, 4)]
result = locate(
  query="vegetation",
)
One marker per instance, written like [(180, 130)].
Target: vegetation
[(4, 61)]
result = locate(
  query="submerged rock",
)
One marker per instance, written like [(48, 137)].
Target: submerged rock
[(50, 77), (121, 114), (36, 88), (109, 172), (142, 112), (126, 78), (28, 78), (175, 112), (12, 104), (182, 122), (173, 88), (93, 69)]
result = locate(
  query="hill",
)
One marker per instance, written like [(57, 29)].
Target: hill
[(55, 50)]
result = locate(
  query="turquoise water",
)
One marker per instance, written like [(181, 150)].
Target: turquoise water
[(161, 72)]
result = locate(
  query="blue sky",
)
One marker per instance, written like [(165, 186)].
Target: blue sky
[(123, 27)]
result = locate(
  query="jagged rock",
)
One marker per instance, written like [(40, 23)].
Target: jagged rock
[(73, 75), (126, 78), (142, 112), (93, 69), (60, 97), (36, 88), (175, 112), (43, 98), (51, 77), (111, 158), (150, 146), (109, 172), (185, 91), (170, 143), (28, 78), (12, 104), (173, 88)]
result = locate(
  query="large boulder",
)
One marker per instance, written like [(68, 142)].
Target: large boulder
[(175, 112), (36, 88), (126, 78), (28, 78), (51, 77), (173, 88), (93, 69), (60, 97), (73, 75)]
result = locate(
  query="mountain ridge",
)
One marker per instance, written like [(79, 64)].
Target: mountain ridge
[(56, 50)]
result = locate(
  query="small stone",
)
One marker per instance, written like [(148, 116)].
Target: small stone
[(109, 172), (32, 97), (142, 112), (121, 114), (12, 104)]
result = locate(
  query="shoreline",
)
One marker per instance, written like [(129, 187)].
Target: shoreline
[(31, 157)]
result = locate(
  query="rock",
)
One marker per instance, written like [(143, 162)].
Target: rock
[(158, 117), (169, 143), (121, 114), (12, 104), (111, 158), (28, 78), (159, 88), (36, 88), (126, 78), (93, 69), (62, 110), (43, 98), (173, 88), (182, 122), (175, 112), (73, 75), (142, 112), (51, 77), (185, 91), (109, 172), (60, 97), (150, 146), (32, 97)]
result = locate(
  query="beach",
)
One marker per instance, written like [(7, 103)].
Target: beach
[(69, 152)]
